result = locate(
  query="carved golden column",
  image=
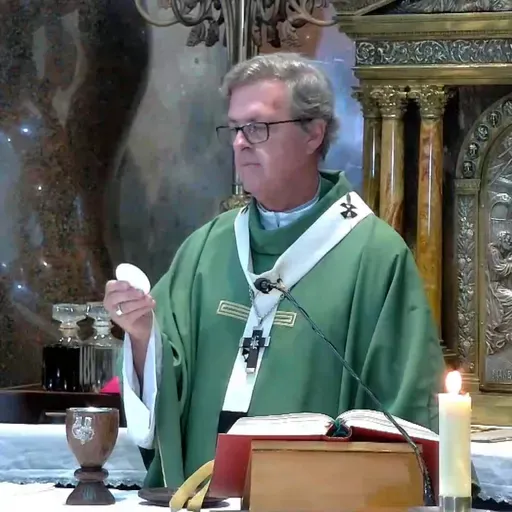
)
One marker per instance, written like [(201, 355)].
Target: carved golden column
[(431, 100), (371, 146), (392, 102)]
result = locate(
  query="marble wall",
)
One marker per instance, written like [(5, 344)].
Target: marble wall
[(71, 76), (174, 173), (108, 153)]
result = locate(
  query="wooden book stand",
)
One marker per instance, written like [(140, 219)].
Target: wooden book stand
[(309, 476)]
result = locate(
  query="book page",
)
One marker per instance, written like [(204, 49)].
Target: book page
[(376, 420), (301, 424)]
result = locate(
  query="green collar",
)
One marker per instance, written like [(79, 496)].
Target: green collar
[(276, 241)]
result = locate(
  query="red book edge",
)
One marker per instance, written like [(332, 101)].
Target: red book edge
[(233, 453)]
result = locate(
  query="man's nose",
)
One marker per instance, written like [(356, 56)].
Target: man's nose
[(240, 142)]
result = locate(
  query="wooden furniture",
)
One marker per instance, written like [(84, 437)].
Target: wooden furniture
[(301, 476), (33, 405)]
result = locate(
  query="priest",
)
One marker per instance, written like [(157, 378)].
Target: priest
[(208, 346)]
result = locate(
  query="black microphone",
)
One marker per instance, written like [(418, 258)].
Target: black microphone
[(264, 285)]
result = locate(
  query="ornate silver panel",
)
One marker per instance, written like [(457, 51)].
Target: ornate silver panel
[(496, 197), (438, 6), (466, 281), (484, 247), (457, 52)]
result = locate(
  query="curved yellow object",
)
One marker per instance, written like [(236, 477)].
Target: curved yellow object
[(195, 504), (188, 490)]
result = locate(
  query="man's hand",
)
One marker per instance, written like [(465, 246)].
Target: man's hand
[(131, 309)]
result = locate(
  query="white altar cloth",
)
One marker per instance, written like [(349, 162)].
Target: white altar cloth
[(45, 498), (493, 466), (40, 454)]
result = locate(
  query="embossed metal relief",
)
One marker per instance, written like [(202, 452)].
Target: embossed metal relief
[(473, 154), (498, 331), (457, 52), (82, 428), (477, 142), (439, 6), (484, 199), (497, 243), (466, 281)]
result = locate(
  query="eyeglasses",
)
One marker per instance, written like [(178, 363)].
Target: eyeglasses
[(254, 133)]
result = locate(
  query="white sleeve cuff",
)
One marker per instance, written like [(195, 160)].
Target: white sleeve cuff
[(140, 414)]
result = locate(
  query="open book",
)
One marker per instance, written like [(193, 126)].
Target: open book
[(358, 425), (311, 424)]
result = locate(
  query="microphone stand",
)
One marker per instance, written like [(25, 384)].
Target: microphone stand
[(265, 286)]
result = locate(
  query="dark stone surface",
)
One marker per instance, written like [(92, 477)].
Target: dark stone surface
[(72, 73)]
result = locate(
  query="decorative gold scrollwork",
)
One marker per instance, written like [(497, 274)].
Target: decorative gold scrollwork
[(431, 99), (391, 100), (369, 105)]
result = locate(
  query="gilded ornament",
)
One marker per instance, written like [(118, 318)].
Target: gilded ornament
[(235, 201), (431, 99), (391, 100), (369, 106)]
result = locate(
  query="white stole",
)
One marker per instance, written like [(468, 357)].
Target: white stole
[(327, 232)]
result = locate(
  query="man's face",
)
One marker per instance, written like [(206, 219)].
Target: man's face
[(269, 168)]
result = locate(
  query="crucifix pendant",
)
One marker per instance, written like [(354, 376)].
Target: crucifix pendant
[(252, 347)]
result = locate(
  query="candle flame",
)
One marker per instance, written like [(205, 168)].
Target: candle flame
[(453, 382)]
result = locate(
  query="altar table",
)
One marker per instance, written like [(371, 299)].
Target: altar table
[(40, 454), (493, 465), (46, 498)]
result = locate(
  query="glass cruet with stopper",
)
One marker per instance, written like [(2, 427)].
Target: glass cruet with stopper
[(62, 360), (106, 348)]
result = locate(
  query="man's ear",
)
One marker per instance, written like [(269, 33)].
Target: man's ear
[(315, 130)]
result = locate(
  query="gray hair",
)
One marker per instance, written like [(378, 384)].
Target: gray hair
[(311, 93)]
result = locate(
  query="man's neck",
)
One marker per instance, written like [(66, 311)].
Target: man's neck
[(286, 203), (271, 219)]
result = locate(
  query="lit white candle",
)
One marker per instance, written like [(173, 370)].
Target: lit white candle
[(454, 439)]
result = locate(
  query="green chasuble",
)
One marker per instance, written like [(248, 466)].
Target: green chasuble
[(365, 294)]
